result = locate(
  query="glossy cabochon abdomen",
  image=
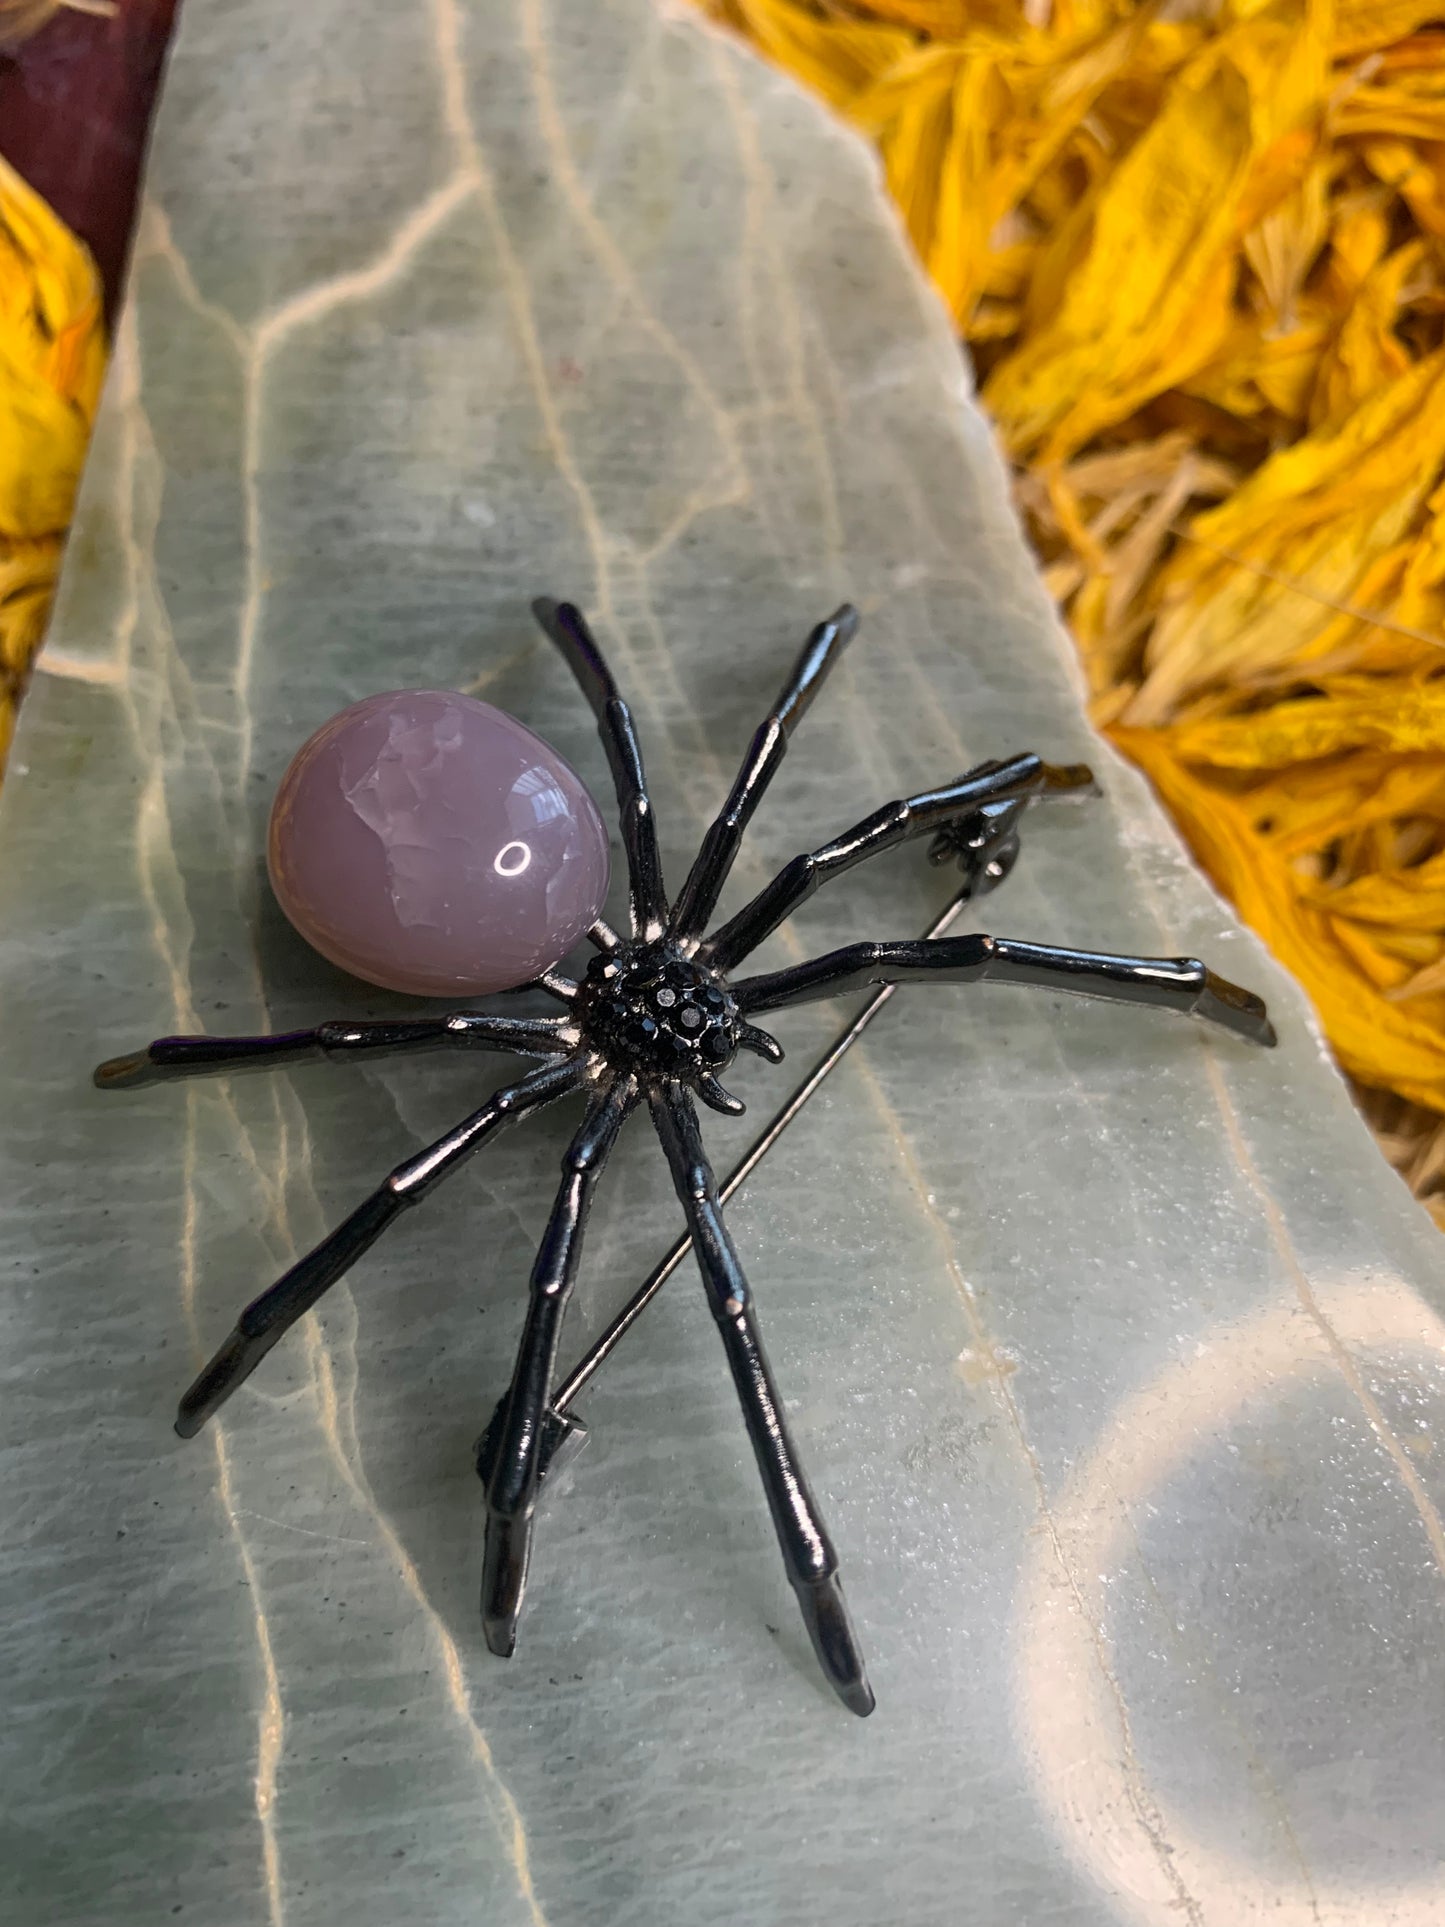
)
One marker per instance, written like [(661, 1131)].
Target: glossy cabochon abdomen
[(430, 843)]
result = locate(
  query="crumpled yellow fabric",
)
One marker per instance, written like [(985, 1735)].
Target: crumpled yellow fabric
[(1198, 251), (52, 361)]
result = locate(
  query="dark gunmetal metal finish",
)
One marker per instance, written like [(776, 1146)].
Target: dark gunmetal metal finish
[(698, 897), (1013, 781), (986, 847), (516, 1465), (1169, 983), (555, 985), (388, 1037), (808, 1556), (567, 627), (271, 1316), (656, 1017)]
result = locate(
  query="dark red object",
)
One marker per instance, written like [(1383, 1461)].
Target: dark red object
[(75, 111)]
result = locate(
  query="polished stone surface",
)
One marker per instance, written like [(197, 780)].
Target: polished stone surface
[(1114, 1350), (430, 843)]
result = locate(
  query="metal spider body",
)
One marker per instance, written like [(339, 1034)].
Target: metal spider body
[(655, 1019)]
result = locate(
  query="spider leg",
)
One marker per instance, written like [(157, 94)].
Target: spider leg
[(171, 1057), (808, 1554), (565, 624), (698, 897), (267, 1318), (516, 1468), (564, 989), (985, 842), (1021, 776), (1171, 983)]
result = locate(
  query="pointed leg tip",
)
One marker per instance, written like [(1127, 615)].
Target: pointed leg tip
[(504, 1580), (1238, 1010), (502, 1583), (501, 1636), (501, 1609), (850, 1683), (1071, 779), (825, 1614), (231, 1366), (196, 1406), (858, 1698), (121, 1073)]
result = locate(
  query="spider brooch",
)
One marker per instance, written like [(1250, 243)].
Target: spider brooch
[(655, 1020)]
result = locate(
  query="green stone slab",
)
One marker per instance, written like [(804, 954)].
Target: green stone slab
[(1114, 1350)]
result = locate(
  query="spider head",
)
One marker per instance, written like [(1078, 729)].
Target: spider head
[(650, 1010)]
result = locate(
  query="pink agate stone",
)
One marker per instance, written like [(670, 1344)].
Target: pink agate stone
[(428, 842)]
